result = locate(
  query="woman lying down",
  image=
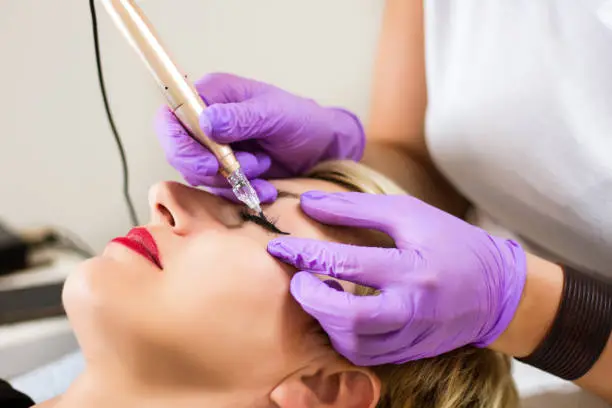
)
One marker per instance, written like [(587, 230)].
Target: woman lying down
[(191, 311)]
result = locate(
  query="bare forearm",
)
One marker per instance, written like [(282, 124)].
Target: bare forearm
[(534, 318), (599, 379), (396, 130), (420, 180)]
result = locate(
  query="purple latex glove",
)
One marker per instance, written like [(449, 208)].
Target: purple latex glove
[(447, 284), (274, 134)]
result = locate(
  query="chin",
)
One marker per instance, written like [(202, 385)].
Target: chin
[(84, 290), (90, 303), (76, 292)]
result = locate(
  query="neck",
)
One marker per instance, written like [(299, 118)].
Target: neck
[(95, 389)]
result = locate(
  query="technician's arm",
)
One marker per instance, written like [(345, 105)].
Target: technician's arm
[(396, 141), (534, 317)]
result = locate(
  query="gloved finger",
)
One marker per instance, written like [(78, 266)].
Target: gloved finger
[(195, 162), (253, 166), (353, 210), (352, 348), (195, 168), (234, 122), (276, 170), (225, 88), (386, 343), (375, 351), (373, 267), (180, 147), (266, 191), (345, 312), (399, 356)]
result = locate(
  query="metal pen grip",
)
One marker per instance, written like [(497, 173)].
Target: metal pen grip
[(183, 99)]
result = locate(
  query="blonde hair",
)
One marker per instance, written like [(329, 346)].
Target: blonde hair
[(464, 378)]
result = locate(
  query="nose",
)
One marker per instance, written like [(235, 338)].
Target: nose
[(180, 207), (185, 209), (168, 208)]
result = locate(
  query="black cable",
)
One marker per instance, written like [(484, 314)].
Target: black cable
[(111, 121)]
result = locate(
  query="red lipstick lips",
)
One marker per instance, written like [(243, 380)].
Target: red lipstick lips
[(141, 241)]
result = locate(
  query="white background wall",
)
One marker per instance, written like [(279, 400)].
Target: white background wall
[(58, 161)]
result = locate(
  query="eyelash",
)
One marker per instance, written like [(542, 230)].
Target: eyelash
[(247, 216), (269, 225)]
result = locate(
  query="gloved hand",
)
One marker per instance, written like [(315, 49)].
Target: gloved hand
[(274, 134), (447, 284)]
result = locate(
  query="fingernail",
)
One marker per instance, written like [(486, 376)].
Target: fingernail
[(334, 285), (315, 195), (278, 250)]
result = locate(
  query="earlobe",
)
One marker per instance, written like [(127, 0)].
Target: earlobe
[(344, 387)]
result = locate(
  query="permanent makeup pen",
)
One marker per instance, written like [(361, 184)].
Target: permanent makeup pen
[(182, 97)]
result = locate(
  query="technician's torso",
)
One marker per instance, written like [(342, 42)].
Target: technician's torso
[(520, 118)]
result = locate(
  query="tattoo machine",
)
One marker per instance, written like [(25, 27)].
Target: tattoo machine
[(183, 99)]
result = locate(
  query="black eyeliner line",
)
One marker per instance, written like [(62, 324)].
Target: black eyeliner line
[(262, 221), (272, 223)]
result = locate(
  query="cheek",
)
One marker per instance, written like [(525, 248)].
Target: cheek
[(222, 264), (231, 311), (208, 289)]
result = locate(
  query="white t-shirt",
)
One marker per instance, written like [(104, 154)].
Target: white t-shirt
[(520, 118)]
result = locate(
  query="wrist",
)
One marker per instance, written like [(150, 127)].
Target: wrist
[(536, 310)]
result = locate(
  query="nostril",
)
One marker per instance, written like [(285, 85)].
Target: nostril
[(166, 214)]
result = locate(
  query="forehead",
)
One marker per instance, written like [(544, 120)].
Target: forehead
[(302, 185)]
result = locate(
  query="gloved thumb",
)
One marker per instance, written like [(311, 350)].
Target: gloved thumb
[(235, 122)]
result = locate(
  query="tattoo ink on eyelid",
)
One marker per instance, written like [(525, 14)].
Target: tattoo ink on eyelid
[(262, 221)]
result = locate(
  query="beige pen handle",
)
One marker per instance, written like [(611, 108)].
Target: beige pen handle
[(182, 97)]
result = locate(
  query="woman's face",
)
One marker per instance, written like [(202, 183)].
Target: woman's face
[(218, 307)]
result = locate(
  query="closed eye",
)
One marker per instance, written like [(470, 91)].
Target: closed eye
[(261, 221)]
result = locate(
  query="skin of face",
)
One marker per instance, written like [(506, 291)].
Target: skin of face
[(218, 315)]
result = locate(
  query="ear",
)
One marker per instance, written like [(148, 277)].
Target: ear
[(341, 386)]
